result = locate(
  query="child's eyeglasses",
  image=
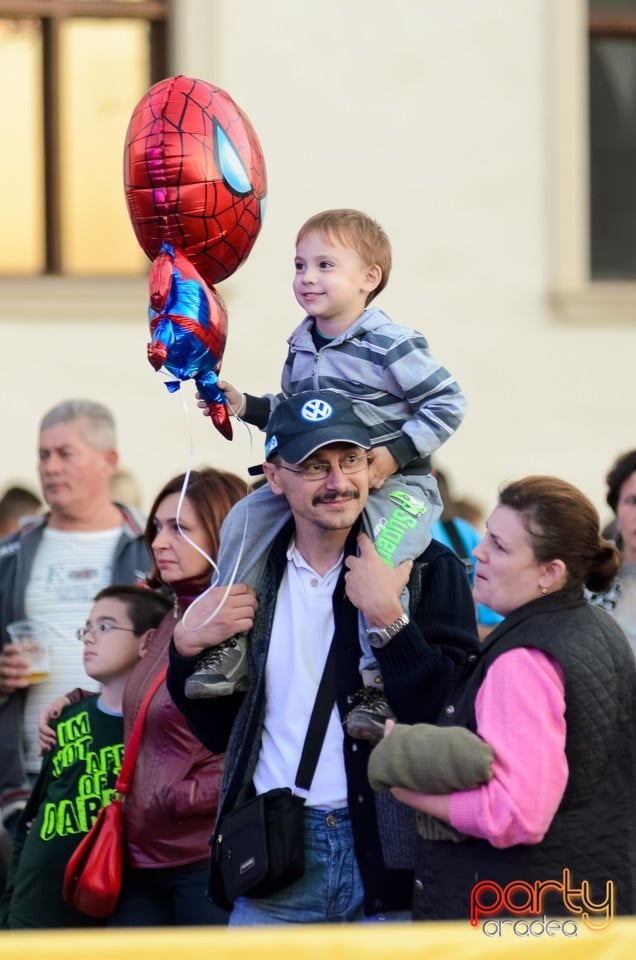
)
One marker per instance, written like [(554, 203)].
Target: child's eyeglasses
[(95, 630)]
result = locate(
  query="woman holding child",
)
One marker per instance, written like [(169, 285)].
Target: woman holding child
[(553, 692)]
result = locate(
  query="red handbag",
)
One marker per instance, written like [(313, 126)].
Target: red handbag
[(92, 879)]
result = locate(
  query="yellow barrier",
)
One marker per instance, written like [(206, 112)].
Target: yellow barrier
[(408, 941)]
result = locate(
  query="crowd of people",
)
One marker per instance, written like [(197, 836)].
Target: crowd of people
[(479, 703)]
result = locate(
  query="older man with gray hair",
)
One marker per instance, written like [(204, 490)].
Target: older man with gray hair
[(51, 569)]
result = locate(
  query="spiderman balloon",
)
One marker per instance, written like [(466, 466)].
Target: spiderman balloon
[(195, 184)]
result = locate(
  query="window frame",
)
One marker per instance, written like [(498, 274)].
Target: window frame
[(574, 296), (52, 14)]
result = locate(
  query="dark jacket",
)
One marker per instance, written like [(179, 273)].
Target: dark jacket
[(17, 552), (418, 667), (593, 832)]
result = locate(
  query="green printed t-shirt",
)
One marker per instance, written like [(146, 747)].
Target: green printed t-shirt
[(74, 785)]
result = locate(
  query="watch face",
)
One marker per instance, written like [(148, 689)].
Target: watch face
[(381, 636), (377, 638)]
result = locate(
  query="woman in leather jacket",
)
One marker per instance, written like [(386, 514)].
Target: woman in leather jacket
[(170, 810)]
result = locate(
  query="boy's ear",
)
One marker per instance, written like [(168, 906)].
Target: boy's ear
[(373, 277), (144, 640)]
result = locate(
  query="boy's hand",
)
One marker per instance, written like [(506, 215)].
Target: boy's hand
[(235, 400), (46, 734), (383, 464)]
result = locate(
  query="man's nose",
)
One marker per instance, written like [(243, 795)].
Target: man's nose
[(335, 479)]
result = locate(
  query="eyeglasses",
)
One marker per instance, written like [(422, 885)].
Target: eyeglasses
[(99, 629), (320, 469)]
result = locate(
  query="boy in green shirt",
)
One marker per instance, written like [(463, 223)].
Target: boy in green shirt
[(78, 775)]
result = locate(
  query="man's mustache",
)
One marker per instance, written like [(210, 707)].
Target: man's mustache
[(335, 495)]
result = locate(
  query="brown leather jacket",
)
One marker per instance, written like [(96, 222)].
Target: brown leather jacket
[(171, 807)]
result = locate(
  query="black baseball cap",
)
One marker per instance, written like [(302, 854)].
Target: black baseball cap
[(310, 420)]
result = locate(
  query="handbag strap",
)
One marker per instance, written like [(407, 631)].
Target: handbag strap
[(458, 545), (130, 753), (325, 699)]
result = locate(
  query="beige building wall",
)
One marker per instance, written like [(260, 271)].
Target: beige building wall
[(445, 121)]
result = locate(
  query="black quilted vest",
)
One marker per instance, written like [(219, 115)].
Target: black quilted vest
[(593, 833)]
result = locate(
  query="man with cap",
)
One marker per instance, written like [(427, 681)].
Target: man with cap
[(319, 571)]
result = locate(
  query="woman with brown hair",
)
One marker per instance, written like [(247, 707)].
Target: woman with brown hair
[(171, 806), (553, 691)]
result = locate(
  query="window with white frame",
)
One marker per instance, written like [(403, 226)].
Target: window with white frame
[(612, 139), (592, 103)]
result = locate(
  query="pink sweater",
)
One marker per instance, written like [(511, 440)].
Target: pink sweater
[(520, 712)]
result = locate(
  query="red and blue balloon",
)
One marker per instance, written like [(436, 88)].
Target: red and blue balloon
[(196, 185)]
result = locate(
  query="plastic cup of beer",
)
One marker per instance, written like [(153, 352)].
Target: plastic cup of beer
[(32, 639)]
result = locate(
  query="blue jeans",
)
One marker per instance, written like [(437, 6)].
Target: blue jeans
[(166, 897), (330, 891)]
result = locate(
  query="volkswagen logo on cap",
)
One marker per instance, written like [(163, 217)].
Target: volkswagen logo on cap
[(315, 411)]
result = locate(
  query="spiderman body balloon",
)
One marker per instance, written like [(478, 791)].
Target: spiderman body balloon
[(188, 324), (195, 185)]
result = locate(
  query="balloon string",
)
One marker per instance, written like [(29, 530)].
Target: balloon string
[(183, 493)]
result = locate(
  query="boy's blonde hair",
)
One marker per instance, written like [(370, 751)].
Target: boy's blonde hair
[(356, 230)]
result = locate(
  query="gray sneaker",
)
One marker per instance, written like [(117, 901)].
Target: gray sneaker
[(220, 671), (366, 720)]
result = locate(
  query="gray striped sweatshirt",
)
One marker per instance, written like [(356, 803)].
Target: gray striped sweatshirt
[(408, 400)]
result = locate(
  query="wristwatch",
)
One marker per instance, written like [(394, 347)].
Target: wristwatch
[(380, 636)]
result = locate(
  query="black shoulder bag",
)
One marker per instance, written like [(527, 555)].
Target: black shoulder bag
[(260, 845)]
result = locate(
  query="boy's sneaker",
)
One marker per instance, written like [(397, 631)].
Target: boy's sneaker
[(220, 672), (366, 720)]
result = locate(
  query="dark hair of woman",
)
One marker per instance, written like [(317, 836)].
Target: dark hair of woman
[(622, 469)]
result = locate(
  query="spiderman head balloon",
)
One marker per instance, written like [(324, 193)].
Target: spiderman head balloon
[(194, 176), (195, 184)]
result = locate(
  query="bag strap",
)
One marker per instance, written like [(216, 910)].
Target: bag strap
[(130, 753), (325, 699), (458, 544), (453, 535)]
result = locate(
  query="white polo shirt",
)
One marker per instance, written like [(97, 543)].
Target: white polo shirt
[(302, 631)]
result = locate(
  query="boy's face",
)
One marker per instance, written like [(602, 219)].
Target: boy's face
[(111, 649), (331, 282)]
